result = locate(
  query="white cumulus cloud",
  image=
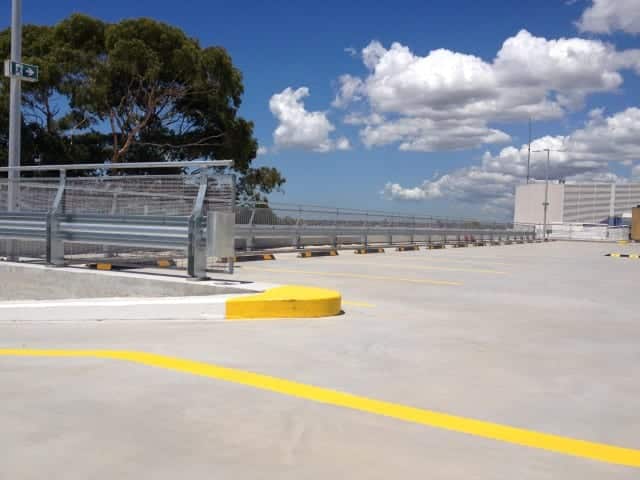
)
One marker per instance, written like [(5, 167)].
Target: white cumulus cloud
[(343, 144), (350, 90), (607, 16), (299, 128), (447, 100), (583, 155), (428, 135)]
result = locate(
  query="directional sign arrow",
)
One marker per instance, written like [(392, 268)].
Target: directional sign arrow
[(24, 71)]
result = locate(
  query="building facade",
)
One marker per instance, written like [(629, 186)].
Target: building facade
[(588, 203)]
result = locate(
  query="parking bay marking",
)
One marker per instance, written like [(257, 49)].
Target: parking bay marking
[(449, 259), (427, 268), (555, 443), (356, 275), (358, 304)]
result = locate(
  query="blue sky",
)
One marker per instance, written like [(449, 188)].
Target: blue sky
[(436, 107)]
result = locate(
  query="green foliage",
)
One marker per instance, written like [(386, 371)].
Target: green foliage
[(137, 90)]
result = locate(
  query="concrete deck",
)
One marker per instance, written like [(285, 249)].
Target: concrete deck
[(543, 337)]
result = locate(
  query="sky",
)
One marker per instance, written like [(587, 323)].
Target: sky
[(420, 106)]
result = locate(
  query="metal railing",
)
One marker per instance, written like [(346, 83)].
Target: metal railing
[(57, 226), (260, 228)]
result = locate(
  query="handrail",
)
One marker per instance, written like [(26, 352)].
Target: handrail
[(118, 166)]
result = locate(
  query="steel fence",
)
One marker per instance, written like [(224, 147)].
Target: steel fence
[(288, 214), (92, 210), (257, 226), (260, 227)]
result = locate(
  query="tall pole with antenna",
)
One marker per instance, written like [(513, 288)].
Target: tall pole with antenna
[(546, 189), (529, 153), (546, 195)]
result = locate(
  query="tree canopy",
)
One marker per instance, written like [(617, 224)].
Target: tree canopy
[(137, 90)]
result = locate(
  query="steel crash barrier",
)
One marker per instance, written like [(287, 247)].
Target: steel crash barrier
[(262, 226), (200, 234), (304, 235)]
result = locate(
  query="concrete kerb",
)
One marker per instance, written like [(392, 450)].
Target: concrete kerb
[(332, 252), (623, 255), (154, 298), (124, 264), (288, 301), (254, 257), (279, 302), (368, 250), (407, 248)]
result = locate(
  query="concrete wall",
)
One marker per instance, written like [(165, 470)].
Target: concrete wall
[(588, 202), (36, 282), (528, 203), (627, 197), (593, 233)]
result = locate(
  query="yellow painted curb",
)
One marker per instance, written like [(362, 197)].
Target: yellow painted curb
[(288, 301)]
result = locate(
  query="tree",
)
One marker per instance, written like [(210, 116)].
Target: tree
[(137, 90)]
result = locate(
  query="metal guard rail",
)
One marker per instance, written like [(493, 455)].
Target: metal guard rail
[(298, 233), (23, 226), (185, 233), (57, 227)]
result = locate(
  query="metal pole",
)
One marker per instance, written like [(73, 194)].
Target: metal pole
[(15, 120), (529, 152), (546, 197)]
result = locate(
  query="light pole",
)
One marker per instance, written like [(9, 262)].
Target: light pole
[(529, 153), (545, 204), (546, 188), (546, 195), (15, 119)]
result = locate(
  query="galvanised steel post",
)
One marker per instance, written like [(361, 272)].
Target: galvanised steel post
[(15, 118), (334, 238), (546, 195)]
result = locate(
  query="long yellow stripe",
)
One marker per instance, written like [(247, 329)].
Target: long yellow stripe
[(423, 267), (428, 259), (358, 304), (356, 275), (554, 443)]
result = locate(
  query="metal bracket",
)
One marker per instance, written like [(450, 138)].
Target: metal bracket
[(197, 249), (55, 243)]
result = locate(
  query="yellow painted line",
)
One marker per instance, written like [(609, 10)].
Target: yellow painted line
[(427, 258), (355, 275), (358, 304), (519, 436), (420, 267)]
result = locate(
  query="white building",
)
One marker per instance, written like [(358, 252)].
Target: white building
[(585, 203)]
